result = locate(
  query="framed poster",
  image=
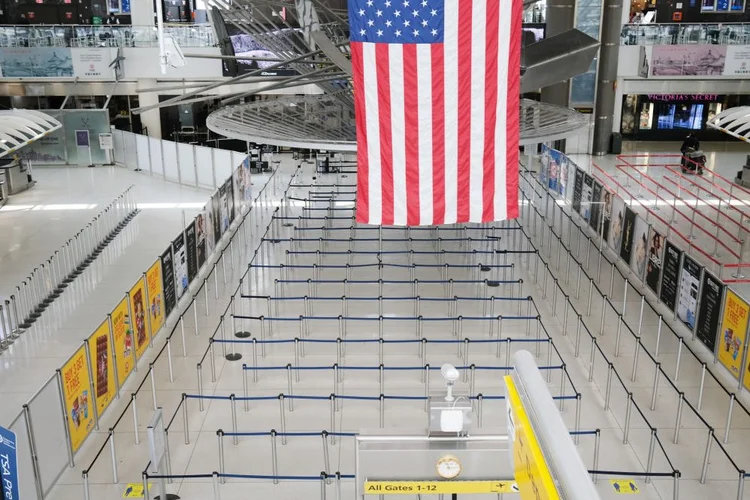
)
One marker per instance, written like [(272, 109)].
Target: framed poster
[(617, 223), (179, 252), (655, 257), (167, 274), (139, 321), (640, 245), (192, 258), (596, 207), (687, 299), (578, 191), (626, 244), (79, 408), (155, 286), (100, 353), (586, 197), (606, 208), (200, 239), (733, 334), (669, 275), (709, 310)]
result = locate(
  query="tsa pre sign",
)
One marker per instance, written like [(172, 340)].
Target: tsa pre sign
[(8, 464)]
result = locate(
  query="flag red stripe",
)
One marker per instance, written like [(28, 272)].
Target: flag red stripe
[(490, 112), (358, 74), (411, 128), (438, 134), (514, 87), (465, 14), (382, 56)]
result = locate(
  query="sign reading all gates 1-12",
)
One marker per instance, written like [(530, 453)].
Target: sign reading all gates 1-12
[(438, 487)]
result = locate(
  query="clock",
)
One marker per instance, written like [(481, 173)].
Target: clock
[(448, 467)]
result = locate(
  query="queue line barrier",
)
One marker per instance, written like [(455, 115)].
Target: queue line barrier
[(711, 438)]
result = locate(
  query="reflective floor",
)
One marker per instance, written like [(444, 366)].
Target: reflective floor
[(33, 358)]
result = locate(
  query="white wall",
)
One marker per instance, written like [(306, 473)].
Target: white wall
[(143, 62)]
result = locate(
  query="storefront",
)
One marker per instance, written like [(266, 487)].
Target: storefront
[(669, 117)]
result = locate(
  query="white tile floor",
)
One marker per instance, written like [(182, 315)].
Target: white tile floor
[(304, 455)]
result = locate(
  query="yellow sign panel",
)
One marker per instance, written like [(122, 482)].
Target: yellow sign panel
[(624, 486), (155, 296), (139, 321), (77, 394), (100, 351), (531, 471), (134, 490), (123, 335), (438, 487), (732, 334)]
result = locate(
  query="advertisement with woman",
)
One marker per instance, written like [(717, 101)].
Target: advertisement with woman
[(655, 256), (640, 244), (617, 223)]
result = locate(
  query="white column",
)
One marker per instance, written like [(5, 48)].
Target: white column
[(142, 12), (150, 119)]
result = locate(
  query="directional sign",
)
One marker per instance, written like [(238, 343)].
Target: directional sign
[(8, 464), (439, 487), (624, 486), (531, 470)]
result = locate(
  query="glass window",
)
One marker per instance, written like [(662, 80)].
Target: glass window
[(723, 6)]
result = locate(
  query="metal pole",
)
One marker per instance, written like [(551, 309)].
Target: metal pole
[(707, 455)]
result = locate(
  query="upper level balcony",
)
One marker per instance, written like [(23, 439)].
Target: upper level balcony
[(89, 36), (685, 33)]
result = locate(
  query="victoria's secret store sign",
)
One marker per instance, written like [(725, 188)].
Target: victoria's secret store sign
[(683, 97)]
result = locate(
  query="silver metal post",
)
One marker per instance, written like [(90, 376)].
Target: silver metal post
[(707, 455), (628, 411), (678, 419), (113, 454), (655, 386), (729, 418), (650, 461)]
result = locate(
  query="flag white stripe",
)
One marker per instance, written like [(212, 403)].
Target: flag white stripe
[(450, 57), (424, 107), (370, 81), (503, 47), (398, 132), (476, 151)]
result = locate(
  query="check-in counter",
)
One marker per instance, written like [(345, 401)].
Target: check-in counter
[(17, 175)]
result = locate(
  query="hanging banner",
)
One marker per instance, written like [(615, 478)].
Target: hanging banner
[(578, 190), (617, 223), (155, 296), (712, 295), (190, 249), (123, 339), (167, 276), (688, 60), (139, 322), (77, 397), (655, 256), (670, 274), (733, 333), (200, 240), (640, 242), (687, 302), (180, 266), (100, 352)]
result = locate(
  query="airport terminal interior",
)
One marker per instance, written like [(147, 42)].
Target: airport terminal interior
[(201, 299)]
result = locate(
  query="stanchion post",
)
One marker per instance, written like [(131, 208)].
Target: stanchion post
[(707, 455)]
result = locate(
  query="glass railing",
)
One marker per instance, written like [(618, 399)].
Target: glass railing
[(186, 35), (685, 33)]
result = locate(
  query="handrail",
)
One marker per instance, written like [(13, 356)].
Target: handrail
[(685, 33)]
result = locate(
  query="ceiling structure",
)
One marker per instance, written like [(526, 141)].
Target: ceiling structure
[(19, 127), (307, 42), (733, 121)]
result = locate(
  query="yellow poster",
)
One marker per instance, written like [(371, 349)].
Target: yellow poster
[(123, 335), (100, 352), (139, 321), (155, 296), (624, 486), (77, 395), (732, 335)]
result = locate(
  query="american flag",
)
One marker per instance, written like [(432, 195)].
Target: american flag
[(436, 88)]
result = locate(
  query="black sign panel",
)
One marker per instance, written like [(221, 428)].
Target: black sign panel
[(712, 294), (655, 257), (179, 252), (578, 191), (669, 275), (606, 211), (596, 207), (626, 246), (586, 196), (687, 296), (167, 279), (200, 240), (192, 263), (216, 209)]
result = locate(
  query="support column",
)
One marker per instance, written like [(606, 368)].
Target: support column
[(607, 75), (150, 119), (560, 18)]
